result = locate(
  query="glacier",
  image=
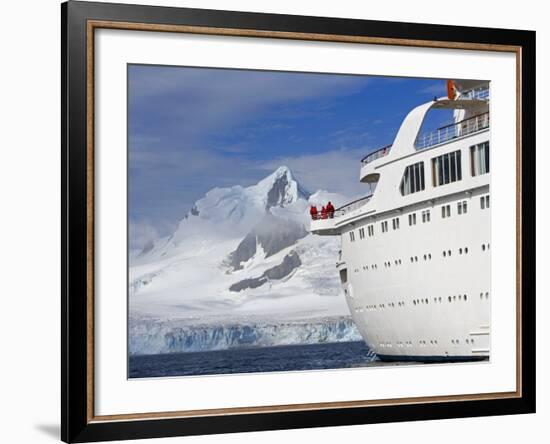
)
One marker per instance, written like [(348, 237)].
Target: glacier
[(156, 336)]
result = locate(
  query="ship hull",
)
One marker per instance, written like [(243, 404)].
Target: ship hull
[(421, 292)]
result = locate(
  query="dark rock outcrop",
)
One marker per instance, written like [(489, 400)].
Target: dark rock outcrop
[(289, 264), (272, 233)]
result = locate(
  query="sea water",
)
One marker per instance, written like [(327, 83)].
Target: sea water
[(252, 360)]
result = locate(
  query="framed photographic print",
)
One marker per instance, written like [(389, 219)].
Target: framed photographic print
[(276, 221)]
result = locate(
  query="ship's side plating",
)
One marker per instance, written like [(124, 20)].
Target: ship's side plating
[(415, 265)]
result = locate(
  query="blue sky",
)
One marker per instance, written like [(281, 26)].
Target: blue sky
[(192, 129)]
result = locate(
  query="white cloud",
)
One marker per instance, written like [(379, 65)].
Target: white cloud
[(202, 100), (140, 234)]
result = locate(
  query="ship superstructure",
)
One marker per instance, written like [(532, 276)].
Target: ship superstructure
[(415, 254)]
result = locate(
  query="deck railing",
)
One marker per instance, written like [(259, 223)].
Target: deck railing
[(341, 211), (449, 132), (384, 151), (481, 93)]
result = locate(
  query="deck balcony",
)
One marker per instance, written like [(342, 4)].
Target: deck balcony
[(453, 131), (481, 93), (328, 225), (381, 152)]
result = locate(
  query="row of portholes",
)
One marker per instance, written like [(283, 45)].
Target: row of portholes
[(457, 341), (388, 264), (448, 253), (379, 307), (428, 256), (454, 298), (460, 298), (420, 301), (423, 343)]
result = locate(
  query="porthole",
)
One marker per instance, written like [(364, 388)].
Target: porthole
[(483, 247), (429, 256), (425, 257), (450, 299), (459, 297), (486, 295), (465, 297), (444, 254), (416, 258), (460, 251), (454, 298), (449, 253), (466, 250)]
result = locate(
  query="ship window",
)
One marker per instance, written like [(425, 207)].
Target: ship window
[(462, 207), (384, 226), (361, 233), (479, 159), (484, 202), (395, 223), (445, 211), (344, 276), (425, 216), (370, 230), (413, 179), (446, 168), (412, 219), (352, 236)]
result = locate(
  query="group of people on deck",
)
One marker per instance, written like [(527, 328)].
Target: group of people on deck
[(327, 212)]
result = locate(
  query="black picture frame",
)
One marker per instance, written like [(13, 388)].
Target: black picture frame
[(77, 425)]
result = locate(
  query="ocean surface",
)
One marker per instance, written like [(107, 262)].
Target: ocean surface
[(252, 360)]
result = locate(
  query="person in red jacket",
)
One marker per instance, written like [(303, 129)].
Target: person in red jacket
[(313, 212), (323, 213), (330, 210)]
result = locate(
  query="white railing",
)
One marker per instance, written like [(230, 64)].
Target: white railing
[(384, 151), (352, 206), (345, 209), (449, 132), (481, 93)]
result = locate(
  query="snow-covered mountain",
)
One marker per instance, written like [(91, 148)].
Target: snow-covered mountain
[(241, 256)]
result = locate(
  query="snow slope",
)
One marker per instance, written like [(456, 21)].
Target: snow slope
[(240, 253)]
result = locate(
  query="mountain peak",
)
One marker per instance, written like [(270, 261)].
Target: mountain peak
[(281, 188), (282, 171)]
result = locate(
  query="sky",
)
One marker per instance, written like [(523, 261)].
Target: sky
[(193, 129)]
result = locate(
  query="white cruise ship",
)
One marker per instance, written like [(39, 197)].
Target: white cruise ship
[(415, 254)]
